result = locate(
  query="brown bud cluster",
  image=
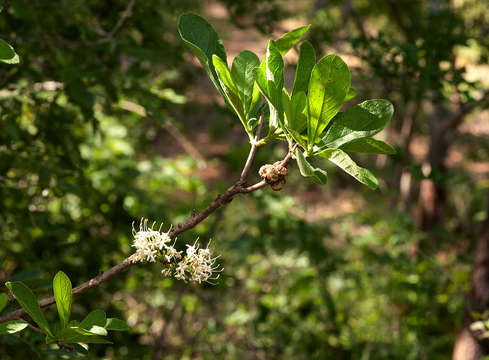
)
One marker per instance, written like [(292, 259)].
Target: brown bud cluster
[(274, 175)]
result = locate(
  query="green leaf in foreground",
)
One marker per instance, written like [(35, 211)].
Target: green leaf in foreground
[(270, 80), (203, 41), (229, 90), (368, 146), (319, 176), (7, 53), (343, 161), (94, 318), (62, 293), (359, 121), (243, 75), (13, 326), (329, 84), (288, 40), (305, 64), (28, 301)]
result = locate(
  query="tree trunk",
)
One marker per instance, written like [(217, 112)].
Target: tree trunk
[(467, 346)]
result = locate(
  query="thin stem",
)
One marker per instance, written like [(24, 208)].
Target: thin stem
[(60, 343), (254, 148)]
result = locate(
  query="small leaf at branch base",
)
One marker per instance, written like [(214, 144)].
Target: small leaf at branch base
[(28, 301), (7, 53), (13, 326)]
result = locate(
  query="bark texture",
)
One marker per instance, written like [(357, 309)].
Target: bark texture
[(467, 346)]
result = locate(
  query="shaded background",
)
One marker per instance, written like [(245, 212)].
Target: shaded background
[(108, 118)]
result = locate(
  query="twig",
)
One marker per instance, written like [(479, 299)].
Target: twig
[(60, 343), (185, 143), (220, 200), (110, 35), (254, 148)]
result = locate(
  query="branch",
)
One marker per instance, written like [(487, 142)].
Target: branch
[(220, 200), (254, 148), (60, 343)]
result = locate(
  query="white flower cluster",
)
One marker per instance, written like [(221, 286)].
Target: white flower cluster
[(197, 265), (151, 245)]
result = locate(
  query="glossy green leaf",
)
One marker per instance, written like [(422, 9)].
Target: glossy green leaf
[(203, 41), (72, 331), (3, 301), (270, 80), (319, 176), (12, 326), (329, 84), (351, 94), (343, 161), (243, 75), (29, 303), (62, 293), (288, 40), (368, 146), (116, 325), (230, 91), (94, 318), (7, 53), (305, 64), (359, 121)]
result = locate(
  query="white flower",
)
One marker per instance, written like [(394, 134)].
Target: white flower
[(152, 245), (148, 242)]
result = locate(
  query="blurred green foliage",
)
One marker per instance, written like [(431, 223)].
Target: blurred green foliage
[(309, 273)]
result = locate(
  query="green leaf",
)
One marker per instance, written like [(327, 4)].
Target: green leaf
[(270, 81), (7, 53), (72, 331), (307, 170), (329, 84), (288, 40), (342, 160), (350, 95), (230, 91), (62, 293), (116, 325), (359, 121), (3, 301), (86, 339), (13, 326), (94, 318), (368, 146), (28, 301), (243, 75), (203, 41), (305, 64)]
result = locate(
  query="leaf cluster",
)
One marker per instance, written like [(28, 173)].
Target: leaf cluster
[(309, 115)]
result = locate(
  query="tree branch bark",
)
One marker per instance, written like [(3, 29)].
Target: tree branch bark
[(222, 199)]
